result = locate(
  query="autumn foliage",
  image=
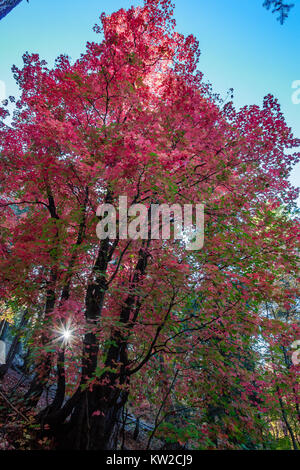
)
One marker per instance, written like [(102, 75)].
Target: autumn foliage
[(199, 340)]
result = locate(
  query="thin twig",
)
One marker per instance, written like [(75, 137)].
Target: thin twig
[(13, 407)]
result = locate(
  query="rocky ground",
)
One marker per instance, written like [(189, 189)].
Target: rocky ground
[(18, 429)]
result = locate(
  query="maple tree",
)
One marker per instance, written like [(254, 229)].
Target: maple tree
[(151, 323)]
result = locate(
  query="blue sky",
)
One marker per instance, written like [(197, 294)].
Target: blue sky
[(242, 45)]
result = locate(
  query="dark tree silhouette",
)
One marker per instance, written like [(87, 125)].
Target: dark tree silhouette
[(6, 6), (279, 7)]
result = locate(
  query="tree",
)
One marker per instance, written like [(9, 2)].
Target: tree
[(132, 117)]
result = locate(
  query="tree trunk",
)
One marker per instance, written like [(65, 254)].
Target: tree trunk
[(61, 383), (96, 420), (96, 414), (60, 391), (43, 367)]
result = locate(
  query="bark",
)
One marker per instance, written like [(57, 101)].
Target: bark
[(41, 378), (83, 403), (136, 429), (60, 391), (96, 414), (96, 420), (61, 384)]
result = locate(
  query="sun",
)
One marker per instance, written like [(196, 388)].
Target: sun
[(65, 334)]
